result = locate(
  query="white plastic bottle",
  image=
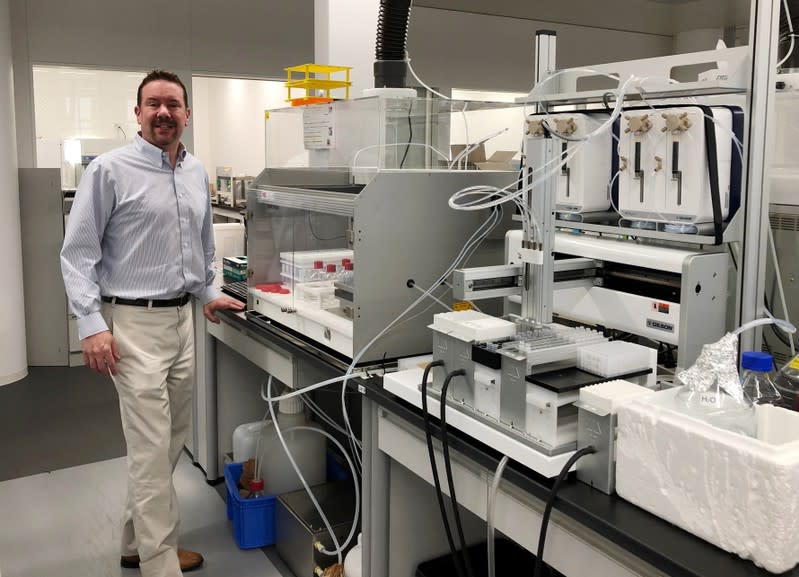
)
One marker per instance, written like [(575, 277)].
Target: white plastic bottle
[(353, 561), (245, 438), (307, 448)]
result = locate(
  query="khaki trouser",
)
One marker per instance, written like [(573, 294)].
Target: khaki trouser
[(154, 382)]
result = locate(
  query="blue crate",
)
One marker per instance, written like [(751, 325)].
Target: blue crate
[(334, 470), (253, 519)]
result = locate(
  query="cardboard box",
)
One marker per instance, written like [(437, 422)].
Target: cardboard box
[(500, 160), (475, 156)]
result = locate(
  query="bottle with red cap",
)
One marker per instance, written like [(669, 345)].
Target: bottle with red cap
[(318, 271), (348, 274), (256, 488), (331, 272)]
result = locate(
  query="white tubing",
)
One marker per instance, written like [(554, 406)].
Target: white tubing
[(492, 497), (419, 80), (309, 388), (305, 485), (355, 156), (790, 32), (781, 289), (784, 325), (327, 419), (479, 235)]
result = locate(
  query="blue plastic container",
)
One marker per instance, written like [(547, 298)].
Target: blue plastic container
[(253, 519)]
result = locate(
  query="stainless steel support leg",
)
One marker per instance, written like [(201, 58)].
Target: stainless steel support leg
[(376, 490)]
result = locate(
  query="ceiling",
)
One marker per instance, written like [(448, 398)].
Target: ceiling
[(666, 17)]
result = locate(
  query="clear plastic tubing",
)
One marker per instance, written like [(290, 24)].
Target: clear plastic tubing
[(492, 497)]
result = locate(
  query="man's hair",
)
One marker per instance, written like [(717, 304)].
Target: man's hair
[(161, 74)]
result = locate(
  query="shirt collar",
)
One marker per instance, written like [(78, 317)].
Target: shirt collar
[(155, 154)]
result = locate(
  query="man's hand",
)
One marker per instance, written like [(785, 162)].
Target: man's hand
[(101, 353), (219, 304)]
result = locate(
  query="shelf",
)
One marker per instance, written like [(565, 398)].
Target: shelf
[(731, 232), (683, 90), (653, 77)]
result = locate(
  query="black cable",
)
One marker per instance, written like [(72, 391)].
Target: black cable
[(448, 467), (774, 328), (436, 481), (711, 150), (732, 256), (765, 344), (551, 501), (606, 102), (410, 135)]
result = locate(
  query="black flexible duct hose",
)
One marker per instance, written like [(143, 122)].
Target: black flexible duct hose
[(392, 36)]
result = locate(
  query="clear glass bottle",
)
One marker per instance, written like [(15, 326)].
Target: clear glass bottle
[(787, 383), (347, 275), (331, 272), (757, 378), (318, 272)]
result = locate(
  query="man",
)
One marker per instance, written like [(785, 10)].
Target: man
[(139, 242)]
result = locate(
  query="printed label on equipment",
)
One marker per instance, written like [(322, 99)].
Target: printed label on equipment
[(318, 127), (709, 399), (659, 325), (660, 307)]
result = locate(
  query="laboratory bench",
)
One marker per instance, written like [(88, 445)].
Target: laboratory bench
[(605, 529), (590, 532), (227, 213)]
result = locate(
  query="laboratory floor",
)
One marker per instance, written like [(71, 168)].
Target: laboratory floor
[(62, 486)]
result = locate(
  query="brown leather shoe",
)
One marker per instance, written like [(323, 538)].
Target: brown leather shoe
[(189, 560)]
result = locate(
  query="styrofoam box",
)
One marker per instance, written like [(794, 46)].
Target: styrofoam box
[(298, 265), (737, 492)]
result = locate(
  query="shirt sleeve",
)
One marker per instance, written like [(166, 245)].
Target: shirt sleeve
[(81, 254), (209, 291)]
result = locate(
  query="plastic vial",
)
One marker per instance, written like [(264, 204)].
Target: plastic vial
[(757, 379), (787, 383), (256, 488)]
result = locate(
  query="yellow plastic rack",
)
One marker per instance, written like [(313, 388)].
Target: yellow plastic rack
[(316, 77)]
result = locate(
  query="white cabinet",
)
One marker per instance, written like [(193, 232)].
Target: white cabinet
[(52, 336)]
